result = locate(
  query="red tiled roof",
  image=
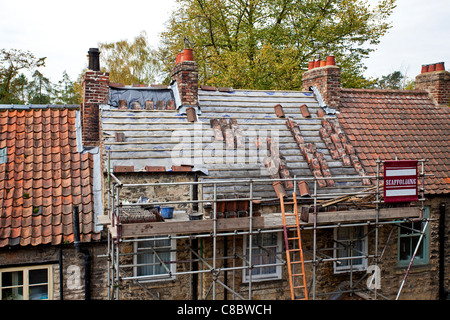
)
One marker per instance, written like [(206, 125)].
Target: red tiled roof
[(43, 178), (403, 124)]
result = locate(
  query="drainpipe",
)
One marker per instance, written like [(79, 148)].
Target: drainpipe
[(194, 242), (443, 292), (85, 252), (61, 274), (225, 266)]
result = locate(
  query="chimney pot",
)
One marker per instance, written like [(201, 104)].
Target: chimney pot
[(316, 63), (188, 55), (179, 58), (440, 66), (424, 68), (323, 63), (431, 67), (311, 65), (94, 59), (331, 61)]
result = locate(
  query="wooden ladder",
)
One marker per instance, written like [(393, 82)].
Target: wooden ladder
[(294, 253)]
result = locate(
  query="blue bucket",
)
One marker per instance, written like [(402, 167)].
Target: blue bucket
[(167, 212)]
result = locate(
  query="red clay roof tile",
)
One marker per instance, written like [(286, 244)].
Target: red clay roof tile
[(37, 191), (402, 124)]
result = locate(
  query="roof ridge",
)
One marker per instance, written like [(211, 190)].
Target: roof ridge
[(392, 91), (37, 106)]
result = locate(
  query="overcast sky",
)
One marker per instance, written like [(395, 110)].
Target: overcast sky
[(63, 31)]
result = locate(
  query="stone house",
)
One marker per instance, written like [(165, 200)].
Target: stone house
[(404, 125), (49, 203), (222, 159), (177, 192)]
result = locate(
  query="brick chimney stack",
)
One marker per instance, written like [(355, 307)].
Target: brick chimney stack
[(436, 81), (185, 73), (326, 77), (95, 92)]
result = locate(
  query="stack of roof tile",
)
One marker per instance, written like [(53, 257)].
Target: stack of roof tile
[(399, 125), (43, 178), (315, 159)]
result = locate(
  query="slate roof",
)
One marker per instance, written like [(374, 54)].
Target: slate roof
[(43, 178), (399, 124), (150, 140)]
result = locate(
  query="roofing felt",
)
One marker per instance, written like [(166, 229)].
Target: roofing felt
[(164, 140), (399, 125), (43, 177)]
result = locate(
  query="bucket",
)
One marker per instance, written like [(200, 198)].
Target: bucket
[(167, 212)]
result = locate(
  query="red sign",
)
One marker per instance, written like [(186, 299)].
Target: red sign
[(400, 181)]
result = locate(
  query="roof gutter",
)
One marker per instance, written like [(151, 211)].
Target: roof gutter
[(443, 292), (85, 252)]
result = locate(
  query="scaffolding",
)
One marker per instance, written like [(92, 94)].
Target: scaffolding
[(216, 267)]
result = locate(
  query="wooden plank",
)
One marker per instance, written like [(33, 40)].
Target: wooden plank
[(103, 220), (365, 215), (187, 227)]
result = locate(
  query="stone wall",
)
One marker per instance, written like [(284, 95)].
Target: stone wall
[(422, 281), (160, 193), (73, 268)]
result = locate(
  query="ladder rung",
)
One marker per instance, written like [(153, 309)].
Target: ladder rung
[(298, 287), (298, 274), (294, 238), (288, 202)]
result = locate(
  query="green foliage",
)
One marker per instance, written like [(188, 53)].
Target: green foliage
[(12, 83), (66, 91), (39, 89), (130, 62), (266, 44), (395, 80), (15, 88)]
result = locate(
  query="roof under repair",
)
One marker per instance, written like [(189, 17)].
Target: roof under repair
[(236, 134)]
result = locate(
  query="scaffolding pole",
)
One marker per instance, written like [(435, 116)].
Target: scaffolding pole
[(115, 268)]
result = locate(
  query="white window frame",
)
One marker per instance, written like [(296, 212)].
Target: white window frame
[(277, 275), (26, 285), (338, 268), (153, 277)]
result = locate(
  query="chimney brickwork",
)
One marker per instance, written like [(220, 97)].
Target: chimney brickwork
[(327, 80), (95, 92), (185, 73), (437, 84)]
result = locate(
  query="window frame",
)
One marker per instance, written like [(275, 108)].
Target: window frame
[(277, 275), (155, 277), (26, 280), (354, 267), (425, 244), (3, 155)]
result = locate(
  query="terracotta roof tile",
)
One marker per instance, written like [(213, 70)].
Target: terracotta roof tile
[(37, 191), (402, 124)]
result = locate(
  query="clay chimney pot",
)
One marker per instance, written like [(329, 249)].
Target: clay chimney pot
[(331, 61)]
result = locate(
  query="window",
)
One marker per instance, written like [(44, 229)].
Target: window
[(350, 242), (408, 236), (153, 258), (3, 155), (27, 283), (266, 250)]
